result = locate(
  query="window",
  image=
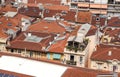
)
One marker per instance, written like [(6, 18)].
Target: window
[(19, 51), (72, 57), (98, 19), (81, 59), (12, 50), (31, 53), (114, 68), (99, 66)]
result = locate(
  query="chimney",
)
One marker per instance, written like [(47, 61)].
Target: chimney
[(109, 53), (29, 34)]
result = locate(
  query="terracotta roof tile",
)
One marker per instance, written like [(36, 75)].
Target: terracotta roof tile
[(69, 16), (92, 31), (30, 11), (114, 22), (102, 53), (82, 72), (8, 8), (84, 17), (51, 13), (4, 26), (94, 22), (19, 43), (59, 46), (45, 26)]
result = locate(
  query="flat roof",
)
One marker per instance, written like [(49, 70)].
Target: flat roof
[(31, 67), (10, 14)]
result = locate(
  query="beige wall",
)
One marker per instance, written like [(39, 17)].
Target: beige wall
[(77, 55), (106, 37), (35, 54), (2, 44), (108, 66), (92, 47)]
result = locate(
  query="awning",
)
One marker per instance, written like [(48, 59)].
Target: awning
[(48, 55), (56, 56)]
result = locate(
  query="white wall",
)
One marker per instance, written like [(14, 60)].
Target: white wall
[(22, 1), (25, 1), (101, 1), (117, 0), (109, 66)]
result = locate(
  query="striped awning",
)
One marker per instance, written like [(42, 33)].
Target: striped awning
[(56, 56), (48, 55)]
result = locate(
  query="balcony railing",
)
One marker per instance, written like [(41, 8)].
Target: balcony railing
[(71, 62), (77, 46)]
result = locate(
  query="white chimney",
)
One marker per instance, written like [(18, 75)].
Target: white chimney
[(29, 34), (109, 53)]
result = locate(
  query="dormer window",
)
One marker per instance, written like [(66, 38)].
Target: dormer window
[(97, 18), (9, 24), (64, 12), (47, 11)]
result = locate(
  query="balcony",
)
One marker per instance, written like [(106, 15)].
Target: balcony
[(75, 46), (71, 62)]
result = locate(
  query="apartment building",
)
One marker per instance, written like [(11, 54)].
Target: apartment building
[(113, 8), (106, 57), (76, 51), (95, 7), (36, 45)]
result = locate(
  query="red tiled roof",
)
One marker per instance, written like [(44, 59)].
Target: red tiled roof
[(102, 53), (4, 25), (25, 45), (92, 31), (19, 43), (114, 22), (49, 27), (114, 34), (54, 2), (8, 8), (30, 11), (69, 16), (51, 13), (84, 17), (94, 22), (57, 7), (82, 72), (59, 46)]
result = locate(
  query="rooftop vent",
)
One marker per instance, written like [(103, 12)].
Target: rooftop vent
[(109, 17), (29, 34), (109, 53)]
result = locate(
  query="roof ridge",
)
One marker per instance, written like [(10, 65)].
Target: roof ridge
[(101, 52)]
